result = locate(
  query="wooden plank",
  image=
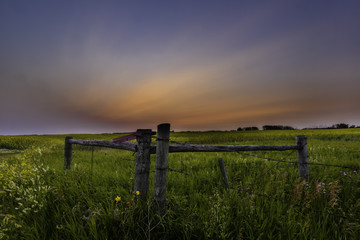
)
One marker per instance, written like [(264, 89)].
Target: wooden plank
[(226, 148), (223, 173), (125, 146), (161, 166), (142, 168), (68, 152), (188, 147), (303, 161)]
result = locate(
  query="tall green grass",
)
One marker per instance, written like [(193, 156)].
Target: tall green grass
[(39, 200)]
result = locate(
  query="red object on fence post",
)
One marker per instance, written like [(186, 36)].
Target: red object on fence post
[(161, 166), (132, 136), (125, 138)]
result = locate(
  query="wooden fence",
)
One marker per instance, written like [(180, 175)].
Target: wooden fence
[(143, 149)]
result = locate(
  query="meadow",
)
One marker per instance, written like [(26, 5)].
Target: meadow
[(267, 199)]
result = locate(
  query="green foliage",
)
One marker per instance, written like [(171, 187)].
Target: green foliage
[(340, 125), (23, 190), (39, 200)]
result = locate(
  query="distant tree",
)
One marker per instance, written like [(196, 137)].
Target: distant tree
[(266, 127), (277, 127), (352, 126), (270, 127), (239, 129), (340, 125), (251, 128)]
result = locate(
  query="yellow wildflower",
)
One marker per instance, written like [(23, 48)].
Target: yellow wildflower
[(118, 199), (137, 193), (59, 226)]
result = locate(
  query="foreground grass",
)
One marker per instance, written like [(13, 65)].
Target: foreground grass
[(39, 200)]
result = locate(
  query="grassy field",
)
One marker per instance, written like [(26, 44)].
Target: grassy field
[(268, 200)]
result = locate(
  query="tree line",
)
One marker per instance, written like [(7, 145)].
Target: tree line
[(282, 127), (266, 127), (337, 126)]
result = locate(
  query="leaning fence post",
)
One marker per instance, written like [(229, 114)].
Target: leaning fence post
[(223, 172), (68, 153), (161, 165), (142, 168), (303, 161)]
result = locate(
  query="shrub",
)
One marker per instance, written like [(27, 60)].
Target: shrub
[(251, 128), (340, 125)]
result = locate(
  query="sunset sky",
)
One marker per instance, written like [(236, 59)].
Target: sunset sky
[(113, 66)]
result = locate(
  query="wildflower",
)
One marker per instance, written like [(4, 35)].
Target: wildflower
[(323, 184), (344, 173), (118, 199), (137, 193), (59, 226)]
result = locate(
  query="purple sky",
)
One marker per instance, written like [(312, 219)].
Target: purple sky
[(111, 66)]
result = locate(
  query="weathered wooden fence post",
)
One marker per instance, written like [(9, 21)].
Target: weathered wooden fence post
[(142, 168), (161, 166), (223, 172), (68, 153), (303, 161)]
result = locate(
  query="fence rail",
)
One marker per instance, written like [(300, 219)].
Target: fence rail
[(229, 148), (98, 143)]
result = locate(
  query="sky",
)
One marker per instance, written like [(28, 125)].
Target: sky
[(116, 66)]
